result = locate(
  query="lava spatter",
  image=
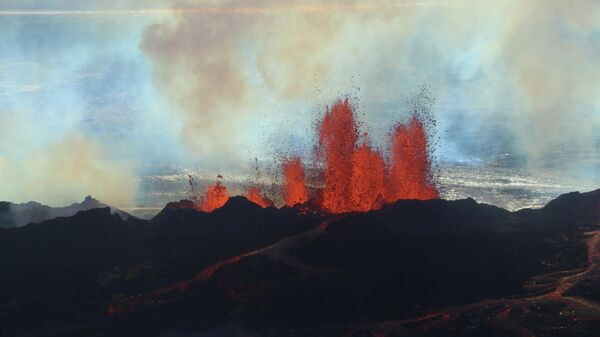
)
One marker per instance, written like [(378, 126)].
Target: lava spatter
[(254, 194), (214, 197)]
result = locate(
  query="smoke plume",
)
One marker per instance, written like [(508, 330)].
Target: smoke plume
[(60, 171), (508, 76)]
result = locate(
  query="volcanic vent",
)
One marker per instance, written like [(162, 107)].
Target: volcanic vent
[(351, 175)]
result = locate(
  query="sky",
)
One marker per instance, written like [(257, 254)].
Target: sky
[(95, 94)]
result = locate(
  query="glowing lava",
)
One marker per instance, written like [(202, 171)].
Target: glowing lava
[(368, 179), (294, 187), (357, 179), (410, 175), (354, 177), (337, 143), (214, 197), (253, 194)]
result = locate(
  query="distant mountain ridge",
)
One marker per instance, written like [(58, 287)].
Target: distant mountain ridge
[(19, 215)]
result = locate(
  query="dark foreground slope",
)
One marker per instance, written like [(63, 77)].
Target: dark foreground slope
[(413, 268), (58, 278)]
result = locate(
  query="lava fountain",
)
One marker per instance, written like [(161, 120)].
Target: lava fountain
[(253, 194), (410, 174), (337, 143), (354, 177), (357, 179), (294, 186), (368, 188), (215, 196)]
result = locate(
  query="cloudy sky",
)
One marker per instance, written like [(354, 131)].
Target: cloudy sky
[(95, 93)]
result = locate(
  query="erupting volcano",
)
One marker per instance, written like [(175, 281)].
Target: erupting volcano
[(354, 177)]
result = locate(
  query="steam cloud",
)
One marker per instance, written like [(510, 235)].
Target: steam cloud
[(59, 172), (530, 68)]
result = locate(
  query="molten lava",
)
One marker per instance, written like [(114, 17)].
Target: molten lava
[(337, 143), (368, 187), (356, 178), (410, 175), (214, 197), (253, 194), (294, 186)]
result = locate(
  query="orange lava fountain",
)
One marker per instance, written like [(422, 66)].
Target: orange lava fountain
[(368, 179), (337, 143), (253, 194), (410, 176), (294, 187), (215, 196), (356, 179)]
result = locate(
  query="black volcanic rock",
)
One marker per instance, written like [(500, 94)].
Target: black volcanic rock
[(589, 289), (67, 270), (269, 271), (432, 216), (73, 245), (239, 203), (399, 262), (17, 215), (237, 226), (175, 205), (234, 205), (575, 208), (466, 215), (97, 236)]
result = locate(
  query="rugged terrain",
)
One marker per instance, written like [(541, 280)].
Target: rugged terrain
[(412, 268), (18, 215)]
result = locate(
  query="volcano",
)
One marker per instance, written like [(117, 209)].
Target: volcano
[(351, 175), (360, 244)]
